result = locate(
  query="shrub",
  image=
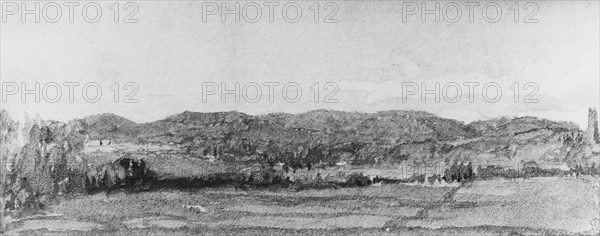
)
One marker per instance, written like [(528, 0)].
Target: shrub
[(124, 172), (357, 179), (433, 178), (419, 178), (262, 176), (47, 166), (459, 173)]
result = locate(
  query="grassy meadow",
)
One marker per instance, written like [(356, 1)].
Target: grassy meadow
[(534, 206)]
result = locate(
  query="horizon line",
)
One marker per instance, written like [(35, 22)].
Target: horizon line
[(37, 116)]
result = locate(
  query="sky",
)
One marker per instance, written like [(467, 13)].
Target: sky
[(365, 58)]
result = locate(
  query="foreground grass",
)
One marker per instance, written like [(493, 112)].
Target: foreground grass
[(493, 207)]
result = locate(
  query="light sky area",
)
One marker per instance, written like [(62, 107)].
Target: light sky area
[(369, 55)]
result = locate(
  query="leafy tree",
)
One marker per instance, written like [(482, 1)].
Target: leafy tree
[(448, 176), (470, 173)]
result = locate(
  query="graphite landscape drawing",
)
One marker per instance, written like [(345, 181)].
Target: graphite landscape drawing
[(300, 118)]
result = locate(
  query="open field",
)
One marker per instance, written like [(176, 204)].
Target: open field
[(533, 206), (551, 205), (568, 205)]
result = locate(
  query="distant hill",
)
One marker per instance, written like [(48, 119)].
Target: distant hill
[(110, 126), (361, 138), (510, 141), (391, 127), (520, 125)]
